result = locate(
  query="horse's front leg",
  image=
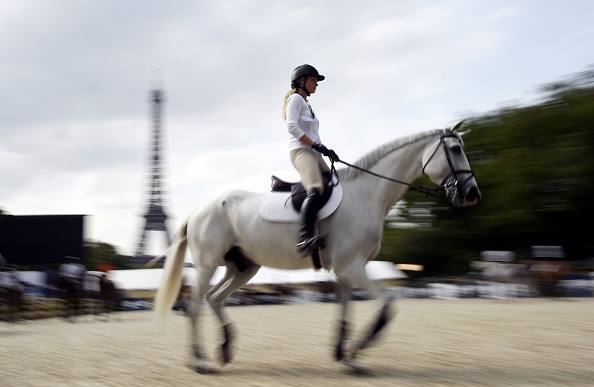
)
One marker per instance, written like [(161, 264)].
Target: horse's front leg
[(355, 274), (382, 318), (344, 297)]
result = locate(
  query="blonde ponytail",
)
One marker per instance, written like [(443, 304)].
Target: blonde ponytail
[(289, 93)]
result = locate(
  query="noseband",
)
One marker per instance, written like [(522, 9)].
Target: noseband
[(448, 189)]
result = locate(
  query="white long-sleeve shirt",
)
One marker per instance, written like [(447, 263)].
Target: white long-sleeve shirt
[(300, 120)]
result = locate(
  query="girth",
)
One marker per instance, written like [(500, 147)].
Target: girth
[(298, 193)]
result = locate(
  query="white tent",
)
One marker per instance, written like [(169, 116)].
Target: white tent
[(382, 271)]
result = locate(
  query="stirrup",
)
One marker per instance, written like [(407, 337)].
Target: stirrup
[(309, 244)]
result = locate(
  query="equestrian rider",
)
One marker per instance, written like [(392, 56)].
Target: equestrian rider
[(74, 271), (306, 149)]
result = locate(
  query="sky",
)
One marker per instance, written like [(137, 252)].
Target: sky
[(75, 78)]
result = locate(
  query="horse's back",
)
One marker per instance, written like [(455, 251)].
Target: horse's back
[(227, 203), (233, 220), (212, 229)]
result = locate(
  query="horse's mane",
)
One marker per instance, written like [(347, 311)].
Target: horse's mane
[(371, 158)]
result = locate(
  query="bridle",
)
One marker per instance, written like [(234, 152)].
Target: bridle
[(450, 188), (445, 191)]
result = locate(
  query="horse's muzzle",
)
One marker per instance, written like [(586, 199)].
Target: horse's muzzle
[(472, 196), (466, 195)]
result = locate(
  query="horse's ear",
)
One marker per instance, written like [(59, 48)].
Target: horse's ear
[(457, 126), (464, 133)]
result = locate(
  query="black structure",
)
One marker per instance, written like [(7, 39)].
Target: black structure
[(155, 216), (41, 239)]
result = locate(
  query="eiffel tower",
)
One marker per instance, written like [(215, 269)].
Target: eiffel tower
[(155, 216)]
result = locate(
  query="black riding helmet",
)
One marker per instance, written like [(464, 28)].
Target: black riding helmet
[(303, 71)]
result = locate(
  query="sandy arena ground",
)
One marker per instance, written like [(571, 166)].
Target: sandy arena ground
[(470, 342)]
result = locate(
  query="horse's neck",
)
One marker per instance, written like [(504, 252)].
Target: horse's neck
[(403, 164)]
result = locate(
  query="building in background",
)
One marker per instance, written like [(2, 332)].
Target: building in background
[(41, 240)]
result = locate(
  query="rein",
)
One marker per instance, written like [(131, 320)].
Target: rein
[(445, 190), (428, 191)]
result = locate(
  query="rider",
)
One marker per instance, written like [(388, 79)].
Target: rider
[(306, 149), (73, 270)]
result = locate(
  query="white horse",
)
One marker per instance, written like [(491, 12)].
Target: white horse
[(230, 232)]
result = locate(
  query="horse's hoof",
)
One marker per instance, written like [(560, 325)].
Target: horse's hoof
[(226, 351), (225, 358), (203, 367), (225, 355), (354, 365)]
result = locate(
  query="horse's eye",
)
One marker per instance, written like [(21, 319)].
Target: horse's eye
[(456, 149)]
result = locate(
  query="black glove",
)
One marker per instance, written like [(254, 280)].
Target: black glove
[(325, 151)]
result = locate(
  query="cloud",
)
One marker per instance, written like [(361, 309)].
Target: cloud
[(76, 118)]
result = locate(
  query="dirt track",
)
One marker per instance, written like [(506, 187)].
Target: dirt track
[(471, 342)]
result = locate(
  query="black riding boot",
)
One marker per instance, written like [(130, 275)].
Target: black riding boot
[(309, 214)]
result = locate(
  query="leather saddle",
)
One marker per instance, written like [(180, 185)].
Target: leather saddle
[(298, 193)]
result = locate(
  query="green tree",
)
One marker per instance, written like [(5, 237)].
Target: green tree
[(535, 169), (98, 254)]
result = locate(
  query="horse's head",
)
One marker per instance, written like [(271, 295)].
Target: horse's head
[(445, 163)]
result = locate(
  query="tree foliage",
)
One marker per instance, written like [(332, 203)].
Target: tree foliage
[(535, 168), (101, 255)]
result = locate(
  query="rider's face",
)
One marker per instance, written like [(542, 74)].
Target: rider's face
[(311, 84)]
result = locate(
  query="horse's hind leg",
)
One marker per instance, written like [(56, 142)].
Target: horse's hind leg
[(199, 361), (217, 297)]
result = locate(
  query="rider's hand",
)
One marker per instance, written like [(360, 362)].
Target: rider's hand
[(325, 151)]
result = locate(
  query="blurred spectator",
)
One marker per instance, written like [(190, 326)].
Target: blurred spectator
[(73, 270), (9, 280)]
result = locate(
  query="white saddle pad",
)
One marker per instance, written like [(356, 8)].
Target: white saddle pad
[(277, 206)]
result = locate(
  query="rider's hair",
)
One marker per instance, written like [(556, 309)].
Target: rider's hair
[(289, 93)]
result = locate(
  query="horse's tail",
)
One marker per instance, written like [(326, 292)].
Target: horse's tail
[(172, 272)]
